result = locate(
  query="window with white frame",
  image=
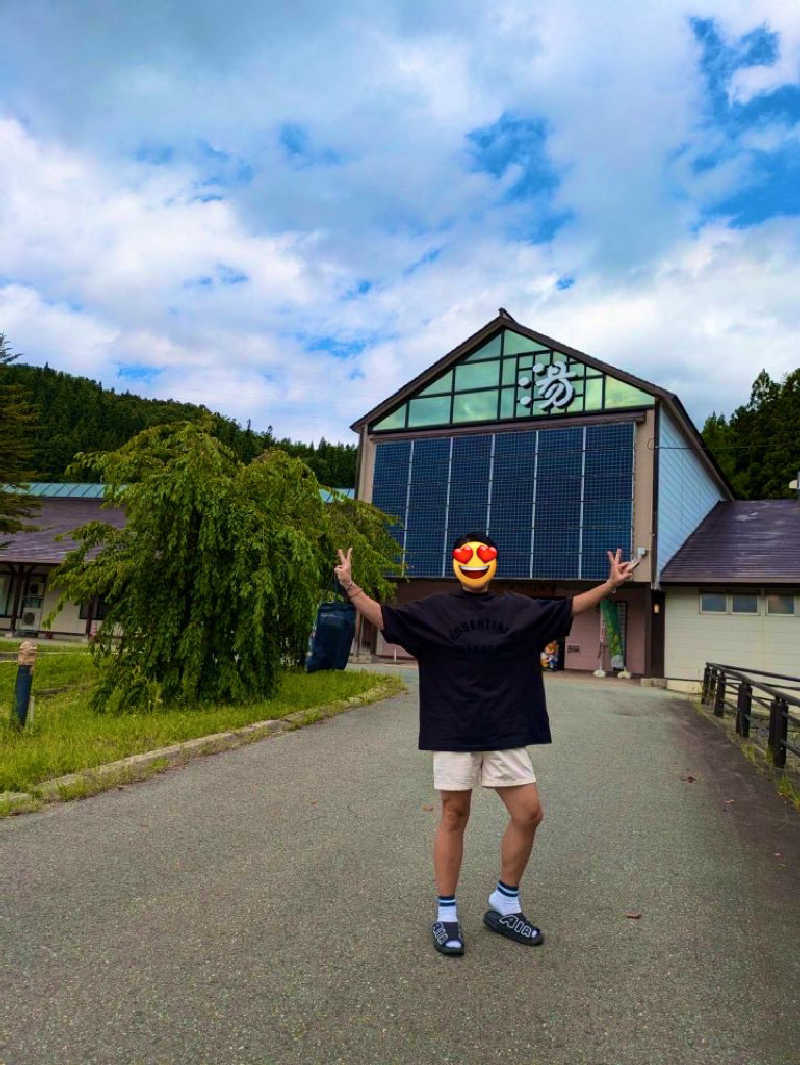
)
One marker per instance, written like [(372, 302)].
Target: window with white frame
[(713, 603), (780, 603), (744, 603), (762, 601)]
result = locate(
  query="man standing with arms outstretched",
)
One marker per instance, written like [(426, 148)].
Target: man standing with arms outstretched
[(481, 701)]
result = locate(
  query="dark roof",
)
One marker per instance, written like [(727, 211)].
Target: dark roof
[(742, 542), (505, 321), (53, 517)]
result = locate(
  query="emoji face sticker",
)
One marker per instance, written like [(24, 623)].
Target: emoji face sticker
[(474, 564)]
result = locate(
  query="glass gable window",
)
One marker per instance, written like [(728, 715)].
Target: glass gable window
[(440, 385), (431, 411), (488, 351), (477, 375), (527, 381), (475, 407), (396, 420)]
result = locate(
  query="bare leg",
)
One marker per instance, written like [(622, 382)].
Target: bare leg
[(448, 843), (525, 810)]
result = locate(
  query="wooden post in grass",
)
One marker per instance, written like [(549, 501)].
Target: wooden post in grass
[(26, 657)]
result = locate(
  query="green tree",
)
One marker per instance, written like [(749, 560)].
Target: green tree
[(758, 447), (77, 414), (17, 423), (212, 585)]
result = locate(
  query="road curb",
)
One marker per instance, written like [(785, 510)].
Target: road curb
[(138, 767)]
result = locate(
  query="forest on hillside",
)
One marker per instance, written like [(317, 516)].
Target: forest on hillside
[(77, 414), (758, 446)]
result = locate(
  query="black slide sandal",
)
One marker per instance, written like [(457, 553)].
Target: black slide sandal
[(514, 926), (444, 932)]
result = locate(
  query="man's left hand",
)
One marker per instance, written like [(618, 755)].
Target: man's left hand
[(620, 571)]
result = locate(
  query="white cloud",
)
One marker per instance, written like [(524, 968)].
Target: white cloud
[(110, 263)]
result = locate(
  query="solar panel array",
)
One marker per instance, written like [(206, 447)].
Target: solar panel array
[(554, 500)]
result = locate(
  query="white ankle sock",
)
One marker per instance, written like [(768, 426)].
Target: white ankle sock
[(505, 899), (447, 912), (446, 909)]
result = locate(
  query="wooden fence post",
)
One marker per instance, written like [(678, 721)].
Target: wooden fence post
[(744, 704), (26, 658), (719, 695), (778, 730), (706, 684)]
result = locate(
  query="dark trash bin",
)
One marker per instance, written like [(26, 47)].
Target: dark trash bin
[(332, 637)]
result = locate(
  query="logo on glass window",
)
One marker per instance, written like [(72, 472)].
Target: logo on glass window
[(554, 390)]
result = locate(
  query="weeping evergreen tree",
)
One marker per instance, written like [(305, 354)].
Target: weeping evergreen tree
[(212, 585)]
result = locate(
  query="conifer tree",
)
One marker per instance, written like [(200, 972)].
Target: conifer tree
[(17, 424), (758, 447)]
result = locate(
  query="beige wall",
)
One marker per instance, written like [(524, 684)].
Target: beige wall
[(643, 481), (66, 622), (366, 468), (755, 641)]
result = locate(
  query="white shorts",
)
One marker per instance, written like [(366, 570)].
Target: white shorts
[(465, 770)]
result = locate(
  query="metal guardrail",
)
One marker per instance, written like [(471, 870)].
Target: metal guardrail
[(762, 708)]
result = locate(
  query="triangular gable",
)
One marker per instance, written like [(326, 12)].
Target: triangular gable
[(511, 375)]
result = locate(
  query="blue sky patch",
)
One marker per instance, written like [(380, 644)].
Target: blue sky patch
[(361, 288), (222, 169), (429, 257), (301, 152), (137, 372), (771, 186), (338, 348), (514, 141), (155, 154), (565, 283), (198, 282), (229, 275)]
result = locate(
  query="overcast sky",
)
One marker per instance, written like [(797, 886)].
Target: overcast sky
[(287, 210)]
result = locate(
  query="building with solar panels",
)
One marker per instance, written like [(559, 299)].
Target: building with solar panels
[(558, 457)]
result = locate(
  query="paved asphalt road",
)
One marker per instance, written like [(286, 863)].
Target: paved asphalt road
[(271, 906)]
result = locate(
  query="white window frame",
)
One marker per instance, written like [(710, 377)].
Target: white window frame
[(791, 594), (713, 613), (759, 598), (761, 595)]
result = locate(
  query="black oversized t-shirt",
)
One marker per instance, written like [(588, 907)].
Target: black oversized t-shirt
[(480, 678)]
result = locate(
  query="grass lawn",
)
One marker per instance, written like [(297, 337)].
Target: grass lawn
[(51, 671), (66, 736), (45, 646)]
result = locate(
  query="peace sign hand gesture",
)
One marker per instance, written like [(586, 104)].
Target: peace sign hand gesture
[(620, 571), (343, 572)]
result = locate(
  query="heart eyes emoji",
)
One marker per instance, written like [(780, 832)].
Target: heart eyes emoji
[(462, 554), (486, 553)]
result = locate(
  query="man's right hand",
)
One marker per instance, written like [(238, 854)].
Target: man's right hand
[(343, 572)]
